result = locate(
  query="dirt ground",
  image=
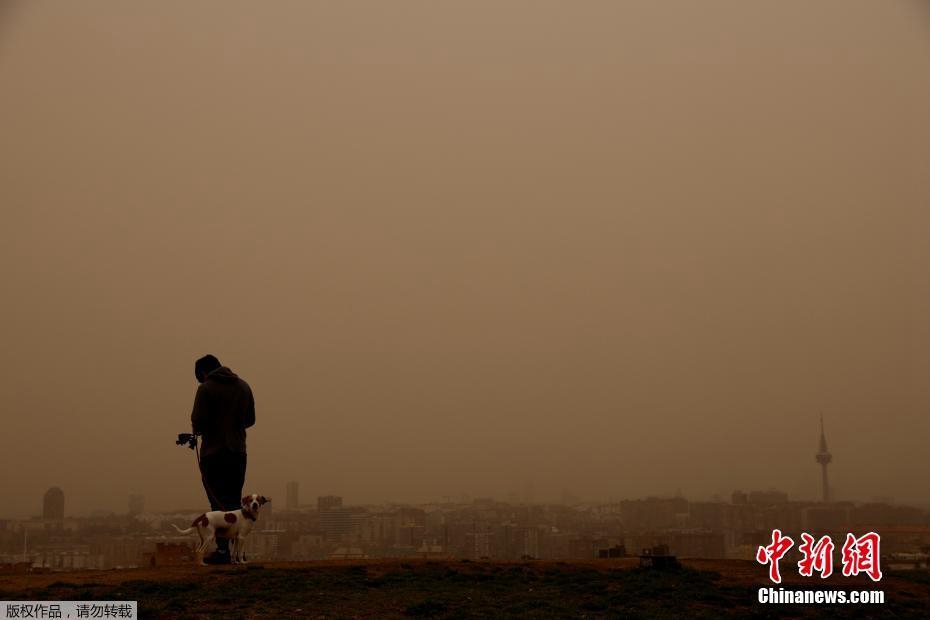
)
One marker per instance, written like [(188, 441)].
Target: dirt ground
[(462, 589)]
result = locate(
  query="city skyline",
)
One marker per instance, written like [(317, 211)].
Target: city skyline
[(513, 528), (290, 492), (479, 528)]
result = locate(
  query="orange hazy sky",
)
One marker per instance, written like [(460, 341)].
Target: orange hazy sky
[(615, 247)]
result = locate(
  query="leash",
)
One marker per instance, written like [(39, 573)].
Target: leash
[(204, 479)]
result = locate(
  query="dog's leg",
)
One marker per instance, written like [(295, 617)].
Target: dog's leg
[(198, 548), (201, 551), (234, 550), (203, 548)]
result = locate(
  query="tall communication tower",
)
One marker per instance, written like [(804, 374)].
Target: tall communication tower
[(824, 458)]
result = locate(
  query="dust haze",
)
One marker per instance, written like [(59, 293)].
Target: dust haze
[(478, 248)]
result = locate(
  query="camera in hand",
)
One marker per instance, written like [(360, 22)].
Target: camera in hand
[(187, 438)]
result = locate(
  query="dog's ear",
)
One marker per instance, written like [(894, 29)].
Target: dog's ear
[(245, 500), (264, 499)]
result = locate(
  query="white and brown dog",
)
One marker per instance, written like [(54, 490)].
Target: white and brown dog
[(234, 525)]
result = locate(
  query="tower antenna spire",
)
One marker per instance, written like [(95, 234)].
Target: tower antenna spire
[(824, 457)]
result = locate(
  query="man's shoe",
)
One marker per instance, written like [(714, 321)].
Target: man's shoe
[(217, 557)]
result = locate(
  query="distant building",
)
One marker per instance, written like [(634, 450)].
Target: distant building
[(348, 553), (707, 515), (266, 544), (292, 500), (432, 552), (328, 502), (266, 514), (309, 547), (477, 545), (585, 547), (53, 506), (885, 514), (335, 522), (136, 504), (827, 518), (359, 522), (409, 535), (616, 551), (653, 512), (768, 498), (699, 544)]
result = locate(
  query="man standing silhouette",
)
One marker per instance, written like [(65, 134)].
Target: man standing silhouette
[(223, 409)]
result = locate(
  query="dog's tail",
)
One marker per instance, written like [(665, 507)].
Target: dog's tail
[(187, 531)]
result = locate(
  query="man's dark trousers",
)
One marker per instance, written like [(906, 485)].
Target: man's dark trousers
[(224, 475)]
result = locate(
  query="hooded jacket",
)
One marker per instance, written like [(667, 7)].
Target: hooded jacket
[(223, 409)]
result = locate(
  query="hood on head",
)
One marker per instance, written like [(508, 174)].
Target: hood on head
[(223, 375)]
